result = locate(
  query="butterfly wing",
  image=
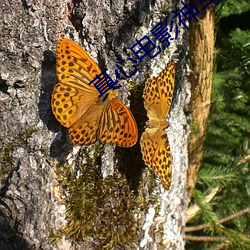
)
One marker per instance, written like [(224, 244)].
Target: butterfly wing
[(72, 96), (75, 67), (158, 93), (156, 153), (76, 105), (85, 130), (117, 125)]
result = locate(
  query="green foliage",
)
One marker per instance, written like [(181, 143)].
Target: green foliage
[(218, 176), (207, 211), (226, 155), (231, 7)]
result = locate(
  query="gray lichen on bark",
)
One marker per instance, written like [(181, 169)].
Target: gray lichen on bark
[(32, 142)]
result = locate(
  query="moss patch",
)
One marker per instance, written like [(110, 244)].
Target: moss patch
[(20, 140), (103, 212)]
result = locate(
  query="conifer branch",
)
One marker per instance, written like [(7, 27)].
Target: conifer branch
[(205, 238), (194, 209), (245, 159), (230, 217)]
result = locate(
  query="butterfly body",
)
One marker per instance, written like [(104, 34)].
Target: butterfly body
[(157, 123), (76, 105), (158, 93)]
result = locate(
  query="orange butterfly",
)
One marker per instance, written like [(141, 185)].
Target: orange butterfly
[(76, 104), (158, 93)]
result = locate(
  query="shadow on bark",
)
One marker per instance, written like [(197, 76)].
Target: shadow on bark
[(130, 159), (9, 239), (61, 145)]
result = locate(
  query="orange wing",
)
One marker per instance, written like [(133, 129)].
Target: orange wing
[(156, 154), (76, 104), (85, 130), (155, 148), (158, 93), (74, 66), (72, 96), (118, 125)]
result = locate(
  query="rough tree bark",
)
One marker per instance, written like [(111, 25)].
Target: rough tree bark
[(201, 42), (54, 196)]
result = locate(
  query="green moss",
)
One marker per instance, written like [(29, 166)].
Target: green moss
[(105, 212), (19, 140), (131, 84), (5, 160), (28, 133), (165, 9)]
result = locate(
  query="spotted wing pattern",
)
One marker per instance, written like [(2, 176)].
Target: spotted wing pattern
[(158, 93), (118, 125), (76, 104)]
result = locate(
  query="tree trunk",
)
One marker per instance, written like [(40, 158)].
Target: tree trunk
[(201, 42), (54, 195)]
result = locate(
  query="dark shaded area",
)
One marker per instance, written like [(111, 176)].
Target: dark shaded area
[(242, 21), (61, 145), (227, 45), (3, 86), (75, 15), (130, 159), (48, 81), (25, 4), (9, 240), (18, 84)]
